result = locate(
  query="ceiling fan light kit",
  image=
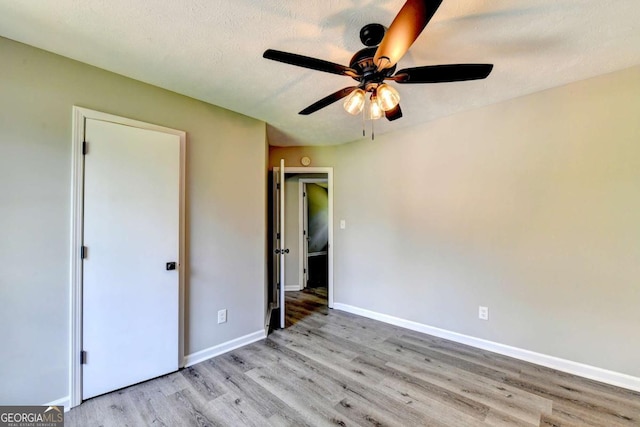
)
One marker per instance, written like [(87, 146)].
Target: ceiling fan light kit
[(376, 63)]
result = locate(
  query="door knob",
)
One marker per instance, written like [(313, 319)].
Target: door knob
[(171, 266)]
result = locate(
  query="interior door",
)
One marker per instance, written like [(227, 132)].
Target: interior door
[(305, 236), (282, 251), (131, 231), (274, 297)]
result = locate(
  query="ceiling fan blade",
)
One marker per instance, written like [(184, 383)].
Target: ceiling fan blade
[(404, 30), (394, 114), (443, 73), (328, 100), (308, 62)]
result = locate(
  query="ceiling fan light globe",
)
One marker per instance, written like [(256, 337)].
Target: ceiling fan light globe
[(387, 97), (354, 102)]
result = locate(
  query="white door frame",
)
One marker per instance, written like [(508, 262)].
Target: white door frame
[(329, 172), (77, 225), (302, 252)]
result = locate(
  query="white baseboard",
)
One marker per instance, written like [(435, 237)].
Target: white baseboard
[(216, 350), (294, 288), (598, 374), (65, 401)]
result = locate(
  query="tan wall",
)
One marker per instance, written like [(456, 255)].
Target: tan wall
[(225, 216), (529, 207)]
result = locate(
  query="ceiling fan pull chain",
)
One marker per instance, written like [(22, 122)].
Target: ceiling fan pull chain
[(363, 124), (373, 135)]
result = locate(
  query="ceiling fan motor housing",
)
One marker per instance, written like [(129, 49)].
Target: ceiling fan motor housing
[(369, 76)]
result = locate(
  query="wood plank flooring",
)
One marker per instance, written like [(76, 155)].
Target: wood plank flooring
[(300, 305), (334, 368)]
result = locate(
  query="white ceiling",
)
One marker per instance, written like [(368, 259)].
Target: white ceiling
[(212, 50)]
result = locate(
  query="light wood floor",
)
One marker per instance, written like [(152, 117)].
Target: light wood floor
[(334, 368)]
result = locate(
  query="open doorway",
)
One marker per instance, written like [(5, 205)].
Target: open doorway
[(304, 241), (314, 234)]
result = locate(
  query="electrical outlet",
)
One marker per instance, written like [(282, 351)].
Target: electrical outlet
[(222, 315), (343, 224), (483, 313)]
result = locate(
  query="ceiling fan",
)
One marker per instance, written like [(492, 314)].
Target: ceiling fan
[(376, 63)]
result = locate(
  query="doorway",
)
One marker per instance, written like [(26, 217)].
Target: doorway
[(127, 252), (314, 234), (287, 266)]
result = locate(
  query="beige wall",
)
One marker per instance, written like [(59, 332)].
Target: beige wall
[(225, 217), (529, 207)]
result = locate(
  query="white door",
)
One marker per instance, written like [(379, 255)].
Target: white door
[(131, 230), (282, 251), (275, 260), (305, 236)]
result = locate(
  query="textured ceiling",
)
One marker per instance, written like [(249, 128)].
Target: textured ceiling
[(212, 51)]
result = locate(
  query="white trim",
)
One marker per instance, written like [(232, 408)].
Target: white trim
[(283, 244), (329, 172), (65, 401), (587, 371), (77, 212), (292, 288), (79, 116), (217, 350)]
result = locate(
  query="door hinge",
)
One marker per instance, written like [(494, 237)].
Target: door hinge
[(85, 147), (277, 235), (304, 270), (277, 186), (304, 232), (83, 357), (83, 252), (304, 194)]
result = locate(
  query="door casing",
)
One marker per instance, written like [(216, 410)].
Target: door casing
[(329, 173), (77, 224)]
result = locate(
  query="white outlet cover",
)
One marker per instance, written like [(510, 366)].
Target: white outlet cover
[(343, 224), (483, 313)]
